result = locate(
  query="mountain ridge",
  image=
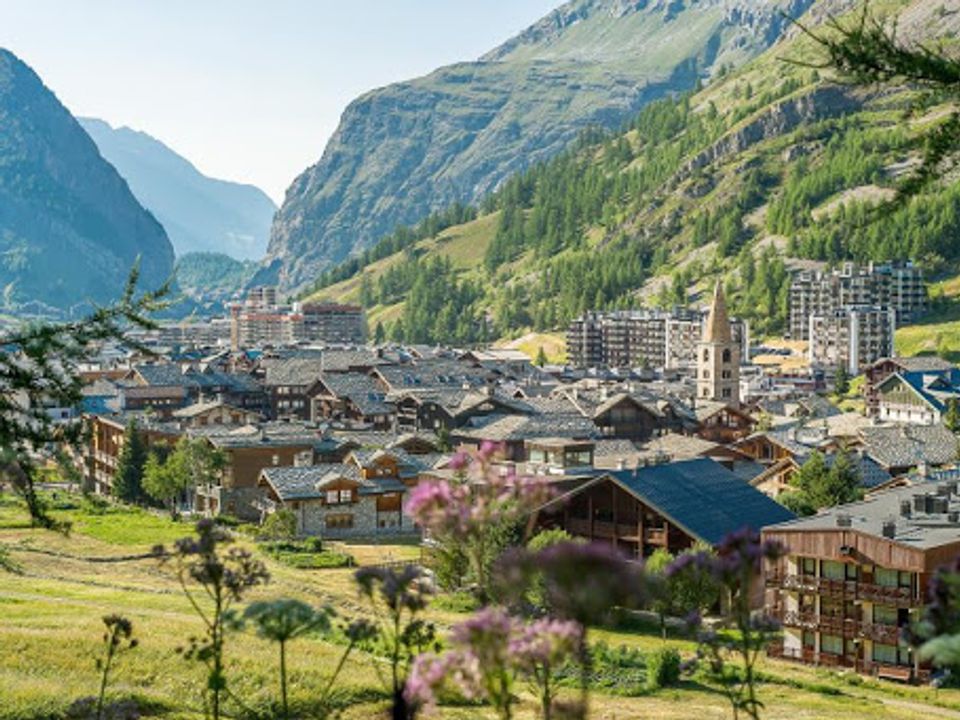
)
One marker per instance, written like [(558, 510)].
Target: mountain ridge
[(455, 134), (199, 212), (70, 228)]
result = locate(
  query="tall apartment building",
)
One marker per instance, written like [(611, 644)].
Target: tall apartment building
[(891, 286), (855, 337), (857, 574), (261, 321), (632, 338)]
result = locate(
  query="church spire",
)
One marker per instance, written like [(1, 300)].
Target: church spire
[(717, 329)]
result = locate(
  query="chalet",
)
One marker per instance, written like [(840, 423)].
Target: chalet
[(250, 449), (215, 412), (286, 381), (899, 448), (857, 574), (105, 438), (722, 422), (513, 431), (671, 506), (350, 399), (336, 501), (439, 409), (879, 371), (917, 398)]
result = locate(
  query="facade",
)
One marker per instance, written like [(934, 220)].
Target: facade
[(670, 505), (718, 356), (894, 286), (854, 337), (101, 454), (635, 338), (917, 398), (880, 370), (260, 321), (856, 575)]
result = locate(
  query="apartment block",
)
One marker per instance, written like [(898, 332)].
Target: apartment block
[(893, 286), (856, 576), (854, 337), (633, 338), (260, 321)]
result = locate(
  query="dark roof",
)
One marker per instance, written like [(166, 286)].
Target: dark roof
[(361, 389), (309, 482), (702, 497), (907, 445), (291, 371)]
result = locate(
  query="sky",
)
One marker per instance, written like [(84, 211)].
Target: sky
[(247, 90)]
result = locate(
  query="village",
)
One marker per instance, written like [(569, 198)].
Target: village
[(678, 444)]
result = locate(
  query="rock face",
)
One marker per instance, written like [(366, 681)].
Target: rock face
[(406, 149), (199, 213), (70, 229)]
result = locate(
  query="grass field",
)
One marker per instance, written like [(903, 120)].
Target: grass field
[(50, 632)]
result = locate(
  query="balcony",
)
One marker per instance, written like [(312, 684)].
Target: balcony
[(848, 589), (878, 632)]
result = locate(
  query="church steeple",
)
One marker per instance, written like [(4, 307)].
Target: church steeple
[(718, 324), (718, 356)]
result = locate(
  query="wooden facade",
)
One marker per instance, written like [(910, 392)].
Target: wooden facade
[(604, 511)]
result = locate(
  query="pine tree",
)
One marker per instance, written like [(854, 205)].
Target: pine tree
[(841, 381), (952, 417), (541, 357), (128, 478), (379, 334)]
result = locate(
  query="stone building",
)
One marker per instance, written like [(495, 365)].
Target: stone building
[(718, 356)]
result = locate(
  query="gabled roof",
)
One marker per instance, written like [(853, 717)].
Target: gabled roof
[(935, 389), (199, 408), (311, 481), (360, 389), (291, 371), (702, 497), (499, 428), (908, 445)]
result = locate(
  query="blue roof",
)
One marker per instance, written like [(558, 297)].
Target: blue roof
[(703, 497)]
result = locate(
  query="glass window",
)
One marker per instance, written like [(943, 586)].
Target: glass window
[(886, 577), (885, 653), (346, 496), (332, 496), (809, 566), (833, 570), (884, 615), (832, 644)]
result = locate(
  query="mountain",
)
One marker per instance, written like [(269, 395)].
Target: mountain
[(769, 167), (199, 213), (70, 229), (406, 149)]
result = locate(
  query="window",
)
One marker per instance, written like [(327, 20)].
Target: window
[(833, 570), (886, 577), (832, 644), (809, 566), (332, 497), (726, 355), (884, 615), (885, 653), (339, 522), (346, 496), (706, 355), (726, 392)]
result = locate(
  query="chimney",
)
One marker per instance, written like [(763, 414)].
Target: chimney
[(889, 529), (621, 464), (844, 520)]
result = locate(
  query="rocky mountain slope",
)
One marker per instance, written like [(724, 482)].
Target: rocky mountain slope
[(454, 135), (70, 229), (199, 213), (767, 168)]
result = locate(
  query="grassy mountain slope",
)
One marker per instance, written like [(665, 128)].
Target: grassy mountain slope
[(766, 168), (199, 213), (454, 135)]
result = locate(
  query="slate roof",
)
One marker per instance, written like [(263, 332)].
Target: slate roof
[(907, 445), (921, 530), (360, 389), (291, 371), (309, 482), (345, 359), (500, 428), (272, 434), (703, 497)]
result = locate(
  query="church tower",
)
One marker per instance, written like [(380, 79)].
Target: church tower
[(718, 356)]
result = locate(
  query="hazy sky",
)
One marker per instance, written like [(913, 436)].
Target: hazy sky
[(248, 90)]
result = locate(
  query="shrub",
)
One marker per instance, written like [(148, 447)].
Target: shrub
[(463, 602), (280, 525), (663, 668)]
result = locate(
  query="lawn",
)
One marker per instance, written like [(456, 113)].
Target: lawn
[(50, 633)]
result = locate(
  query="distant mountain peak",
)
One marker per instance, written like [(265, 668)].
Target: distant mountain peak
[(200, 213), (454, 135)]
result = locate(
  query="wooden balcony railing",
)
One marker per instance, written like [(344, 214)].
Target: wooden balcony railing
[(848, 589)]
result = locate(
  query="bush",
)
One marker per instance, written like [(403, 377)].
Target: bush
[(280, 525), (663, 668), (462, 602)]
